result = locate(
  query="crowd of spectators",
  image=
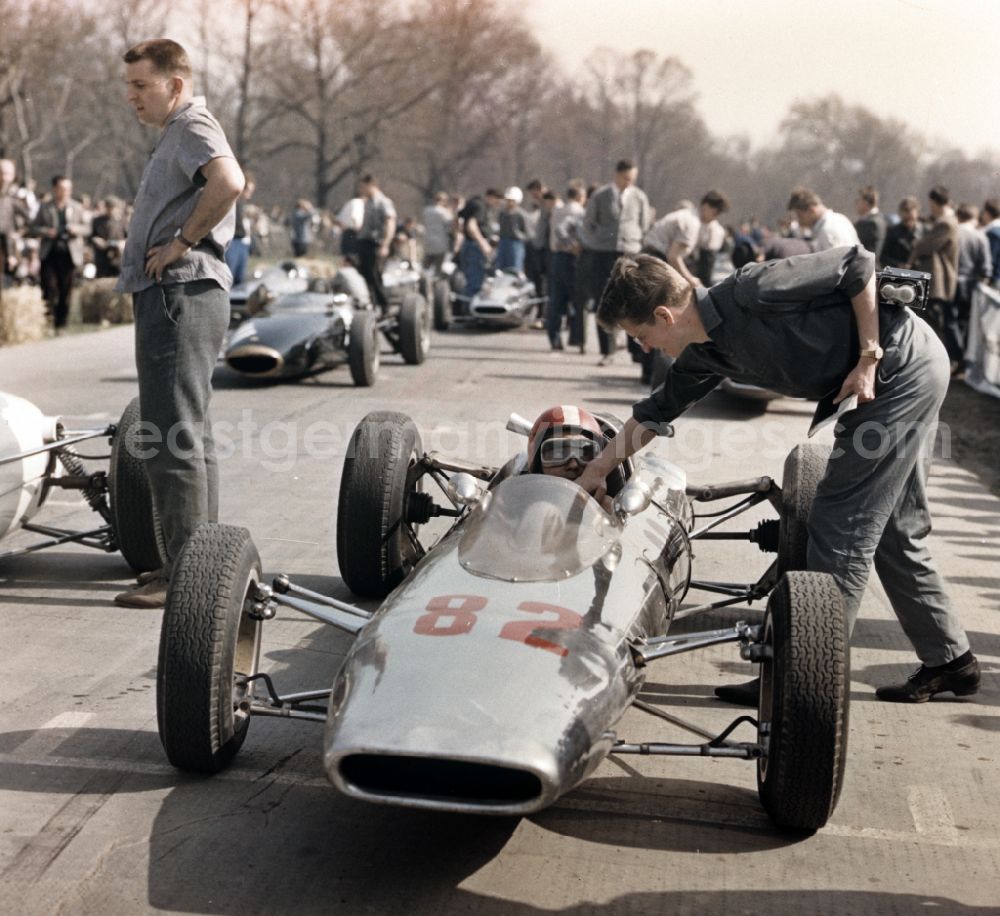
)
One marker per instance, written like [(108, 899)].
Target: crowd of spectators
[(564, 240)]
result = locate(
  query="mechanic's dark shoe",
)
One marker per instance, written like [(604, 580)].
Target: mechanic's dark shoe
[(925, 682), (151, 595), (149, 576), (740, 694)]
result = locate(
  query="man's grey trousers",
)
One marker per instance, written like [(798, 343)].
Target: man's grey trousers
[(179, 330), (872, 502)]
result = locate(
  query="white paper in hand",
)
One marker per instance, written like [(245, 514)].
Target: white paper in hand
[(827, 412)]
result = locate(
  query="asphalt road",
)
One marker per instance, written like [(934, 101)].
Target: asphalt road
[(93, 819)]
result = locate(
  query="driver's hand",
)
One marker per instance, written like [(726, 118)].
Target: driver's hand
[(860, 381)]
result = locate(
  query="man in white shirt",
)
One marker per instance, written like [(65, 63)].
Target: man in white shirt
[(439, 225), (829, 229)]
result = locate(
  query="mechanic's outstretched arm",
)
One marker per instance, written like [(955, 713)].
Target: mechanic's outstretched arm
[(633, 437), (861, 379)]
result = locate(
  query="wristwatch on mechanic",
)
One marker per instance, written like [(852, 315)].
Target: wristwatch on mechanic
[(875, 354), (179, 235)]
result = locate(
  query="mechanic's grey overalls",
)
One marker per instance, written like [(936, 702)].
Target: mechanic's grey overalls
[(789, 326), (872, 501)]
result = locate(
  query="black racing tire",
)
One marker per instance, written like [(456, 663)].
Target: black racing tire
[(133, 515), (442, 305), (364, 348), (207, 643), (374, 547), (414, 329), (804, 469), (804, 701), (457, 281)]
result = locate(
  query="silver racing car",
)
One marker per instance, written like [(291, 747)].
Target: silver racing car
[(494, 674)]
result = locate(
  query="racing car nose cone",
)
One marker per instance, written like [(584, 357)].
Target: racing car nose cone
[(255, 360)]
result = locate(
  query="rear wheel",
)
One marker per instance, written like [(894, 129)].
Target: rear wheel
[(442, 305), (133, 516), (414, 329), (376, 546), (209, 645), (363, 354), (804, 469), (804, 701)]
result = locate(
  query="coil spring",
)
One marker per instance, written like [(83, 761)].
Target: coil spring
[(70, 459)]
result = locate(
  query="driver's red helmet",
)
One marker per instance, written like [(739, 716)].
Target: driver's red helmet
[(561, 420)]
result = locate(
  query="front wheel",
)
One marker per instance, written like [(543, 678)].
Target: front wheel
[(804, 701), (804, 469), (363, 354), (376, 546), (133, 516), (442, 305), (209, 646), (414, 329)]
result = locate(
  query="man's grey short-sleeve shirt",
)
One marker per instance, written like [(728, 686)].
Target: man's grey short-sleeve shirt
[(168, 194)]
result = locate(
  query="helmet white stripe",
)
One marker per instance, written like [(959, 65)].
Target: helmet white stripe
[(571, 415)]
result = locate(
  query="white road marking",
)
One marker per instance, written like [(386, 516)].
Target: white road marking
[(932, 833), (48, 737), (932, 814), (68, 720), (139, 768)]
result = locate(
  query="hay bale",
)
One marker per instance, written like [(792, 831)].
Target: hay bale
[(317, 267), (22, 315), (99, 303)]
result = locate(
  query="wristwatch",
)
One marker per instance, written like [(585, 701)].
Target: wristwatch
[(179, 235), (877, 353)]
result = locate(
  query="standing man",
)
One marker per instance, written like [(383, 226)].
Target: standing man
[(975, 265), (871, 225), (62, 225), (513, 231), (377, 231), (989, 219), (936, 252), (173, 265), (238, 252), (902, 236), (476, 248), (617, 218), (829, 229), (107, 236), (439, 224), (13, 215), (564, 243), (810, 326), (536, 261)]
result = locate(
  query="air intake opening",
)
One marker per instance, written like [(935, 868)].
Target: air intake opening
[(490, 310), (254, 363), (436, 778)]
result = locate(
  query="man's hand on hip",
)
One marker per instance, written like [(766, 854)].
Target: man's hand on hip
[(160, 257)]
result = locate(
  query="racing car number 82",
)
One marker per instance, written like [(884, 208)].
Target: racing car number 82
[(455, 615)]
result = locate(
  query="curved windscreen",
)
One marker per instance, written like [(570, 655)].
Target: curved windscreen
[(533, 528)]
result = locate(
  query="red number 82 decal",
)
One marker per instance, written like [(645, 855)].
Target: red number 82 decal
[(455, 615)]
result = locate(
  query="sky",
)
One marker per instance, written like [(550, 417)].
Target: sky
[(930, 63)]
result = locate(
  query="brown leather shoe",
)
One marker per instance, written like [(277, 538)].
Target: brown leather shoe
[(151, 595), (925, 682), (149, 576)]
